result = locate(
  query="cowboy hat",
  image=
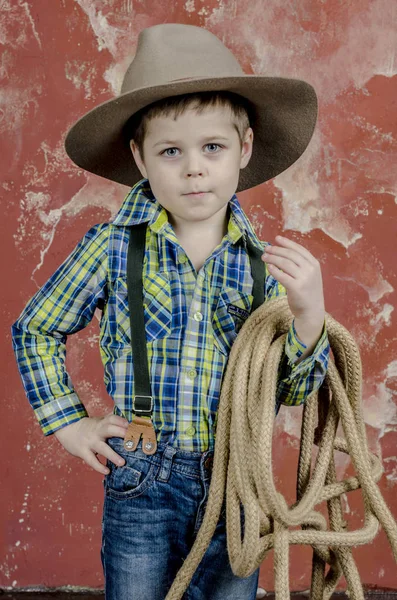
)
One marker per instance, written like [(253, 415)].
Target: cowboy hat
[(173, 59)]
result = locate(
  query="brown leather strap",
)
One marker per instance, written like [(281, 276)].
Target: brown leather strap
[(141, 426)]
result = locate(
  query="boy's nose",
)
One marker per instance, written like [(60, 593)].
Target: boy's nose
[(194, 169), (194, 166)]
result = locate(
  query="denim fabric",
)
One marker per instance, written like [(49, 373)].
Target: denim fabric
[(153, 509)]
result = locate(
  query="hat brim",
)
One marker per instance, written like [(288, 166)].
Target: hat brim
[(286, 114)]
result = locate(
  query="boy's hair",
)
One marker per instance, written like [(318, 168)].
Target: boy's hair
[(243, 113)]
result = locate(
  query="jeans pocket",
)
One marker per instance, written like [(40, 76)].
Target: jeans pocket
[(133, 478)]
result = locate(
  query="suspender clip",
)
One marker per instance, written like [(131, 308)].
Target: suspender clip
[(137, 429)]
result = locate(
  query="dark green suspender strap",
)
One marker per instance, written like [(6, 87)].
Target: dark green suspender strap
[(258, 275), (142, 400), (142, 403)]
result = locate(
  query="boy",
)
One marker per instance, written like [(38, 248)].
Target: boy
[(181, 134)]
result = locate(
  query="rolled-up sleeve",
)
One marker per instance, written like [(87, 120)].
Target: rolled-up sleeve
[(64, 305)]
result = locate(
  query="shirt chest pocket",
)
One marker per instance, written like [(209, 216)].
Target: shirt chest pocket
[(232, 310), (157, 303)]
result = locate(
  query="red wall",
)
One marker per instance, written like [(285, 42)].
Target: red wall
[(58, 60)]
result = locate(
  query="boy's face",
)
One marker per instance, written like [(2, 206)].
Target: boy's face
[(194, 153)]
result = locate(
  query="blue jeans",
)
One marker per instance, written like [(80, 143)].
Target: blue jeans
[(153, 509)]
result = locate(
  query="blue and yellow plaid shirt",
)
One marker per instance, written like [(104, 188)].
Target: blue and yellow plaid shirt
[(191, 322)]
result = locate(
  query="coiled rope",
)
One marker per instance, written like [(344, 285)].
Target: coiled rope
[(243, 464)]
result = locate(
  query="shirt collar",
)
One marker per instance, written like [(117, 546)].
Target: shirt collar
[(240, 226), (140, 206)]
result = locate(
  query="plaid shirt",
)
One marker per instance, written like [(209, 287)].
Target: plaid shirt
[(191, 322)]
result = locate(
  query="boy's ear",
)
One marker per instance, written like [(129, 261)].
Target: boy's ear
[(246, 150), (137, 157)]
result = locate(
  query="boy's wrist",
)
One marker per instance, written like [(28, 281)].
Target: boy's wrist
[(309, 330)]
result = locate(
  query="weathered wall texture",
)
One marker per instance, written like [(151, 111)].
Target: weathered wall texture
[(58, 60)]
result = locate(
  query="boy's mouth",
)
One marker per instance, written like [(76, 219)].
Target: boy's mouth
[(196, 194)]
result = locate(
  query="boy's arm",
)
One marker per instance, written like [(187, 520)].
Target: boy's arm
[(298, 377), (64, 305)]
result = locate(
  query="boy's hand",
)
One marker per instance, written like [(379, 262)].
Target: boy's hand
[(87, 437), (300, 273)]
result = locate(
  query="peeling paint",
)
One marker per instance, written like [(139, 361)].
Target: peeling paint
[(391, 370), (375, 292), (107, 36), (81, 75), (93, 193), (189, 6), (380, 411), (16, 106), (391, 463), (26, 7)]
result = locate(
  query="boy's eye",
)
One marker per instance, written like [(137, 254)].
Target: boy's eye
[(216, 145), (168, 150)]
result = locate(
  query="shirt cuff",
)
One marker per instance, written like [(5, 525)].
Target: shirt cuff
[(59, 412), (294, 348)]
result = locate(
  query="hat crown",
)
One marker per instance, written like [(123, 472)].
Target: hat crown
[(172, 51)]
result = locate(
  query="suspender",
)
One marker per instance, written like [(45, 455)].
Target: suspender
[(258, 274), (142, 403)]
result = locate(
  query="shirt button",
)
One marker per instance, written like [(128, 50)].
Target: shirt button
[(182, 258), (192, 373), (198, 316), (190, 431)]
